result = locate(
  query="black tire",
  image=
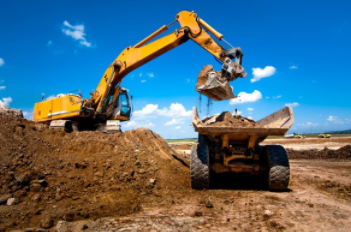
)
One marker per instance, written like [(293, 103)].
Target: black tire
[(68, 127), (278, 168), (75, 127), (199, 165)]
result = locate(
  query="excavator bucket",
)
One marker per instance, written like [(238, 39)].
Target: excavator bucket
[(211, 84)]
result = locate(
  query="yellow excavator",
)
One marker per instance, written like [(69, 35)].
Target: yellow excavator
[(110, 103)]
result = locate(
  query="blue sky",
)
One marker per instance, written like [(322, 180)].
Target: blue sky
[(296, 53)]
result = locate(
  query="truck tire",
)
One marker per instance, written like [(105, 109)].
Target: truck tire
[(277, 166), (199, 170)]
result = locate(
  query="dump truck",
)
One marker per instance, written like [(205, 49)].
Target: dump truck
[(324, 135), (295, 136), (110, 103), (223, 149)]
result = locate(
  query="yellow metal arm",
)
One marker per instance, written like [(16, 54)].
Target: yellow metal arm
[(133, 57)]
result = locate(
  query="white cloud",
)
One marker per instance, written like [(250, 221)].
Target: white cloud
[(5, 102), (53, 96), (149, 124), (49, 43), (141, 74), (188, 80), (259, 73), (308, 124), (336, 120), (239, 112), (143, 81), (2, 87), (174, 122), (177, 127), (293, 67), (244, 97), (175, 111), (2, 62), (28, 115), (76, 32), (311, 124), (130, 124), (150, 75), (331, 118), (250, 109), (277, 97), (250, 117), (292, 104), (135, 124)]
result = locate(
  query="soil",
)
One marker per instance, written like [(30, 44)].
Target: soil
[(226, 119), (55, 176), (186, 146), (203, 75), (340, 154), (133, 181)]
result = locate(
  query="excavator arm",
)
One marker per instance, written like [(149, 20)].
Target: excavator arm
[(192, 27)]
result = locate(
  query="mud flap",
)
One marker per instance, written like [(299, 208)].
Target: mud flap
[(211, 84)]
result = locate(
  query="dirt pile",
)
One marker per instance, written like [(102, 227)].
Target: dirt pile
[(342, 153), (10, 112), (48, 175), (226, 119)]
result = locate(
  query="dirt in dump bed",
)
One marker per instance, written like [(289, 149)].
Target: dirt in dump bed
[(48, 175), (342, 153), (203, 75), (226, 119)]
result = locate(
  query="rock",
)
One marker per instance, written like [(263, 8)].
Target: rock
[(98, 174), (68, 216), (24, 179), (267, 214), (36, 197), (35, 187), (81, 165), (47, 222), (209, 204), (152, 181), (198, 214), (20, 194), (3, 198), (12, 201)]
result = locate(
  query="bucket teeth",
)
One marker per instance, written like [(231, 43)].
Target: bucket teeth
[(211, 84)]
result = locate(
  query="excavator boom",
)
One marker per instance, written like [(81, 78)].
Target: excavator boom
[(110, 102), (192, 28)]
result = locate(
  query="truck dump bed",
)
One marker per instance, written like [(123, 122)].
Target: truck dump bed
[(277, 123)]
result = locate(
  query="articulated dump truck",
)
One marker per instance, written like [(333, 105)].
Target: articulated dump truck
[(237, 149)]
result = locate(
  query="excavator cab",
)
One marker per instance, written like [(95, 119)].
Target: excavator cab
[(122, 108)]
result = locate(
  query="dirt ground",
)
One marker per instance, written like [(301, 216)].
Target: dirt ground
[(311, 143), (133, 181)]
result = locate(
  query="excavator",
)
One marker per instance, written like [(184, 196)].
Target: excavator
[(110, 103)]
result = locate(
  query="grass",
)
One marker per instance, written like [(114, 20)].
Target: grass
[(181, 140)]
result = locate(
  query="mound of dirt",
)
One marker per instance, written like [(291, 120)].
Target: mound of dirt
[(226, 119), (342, 153), (4, 111), (48, 175)]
